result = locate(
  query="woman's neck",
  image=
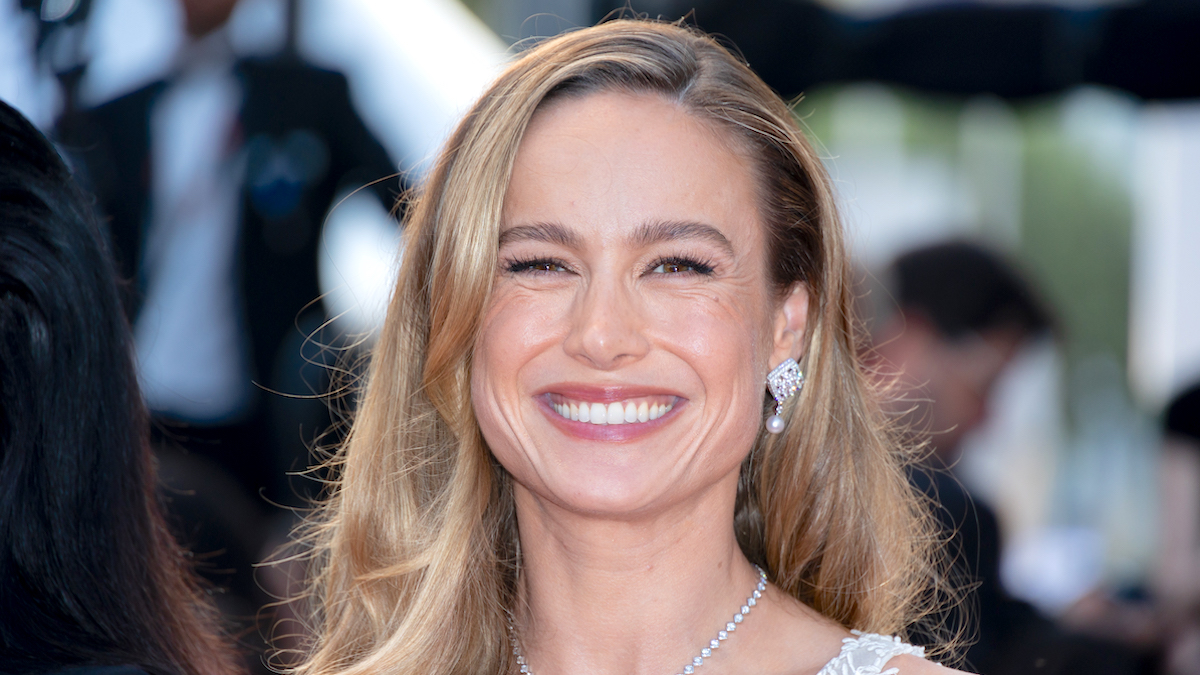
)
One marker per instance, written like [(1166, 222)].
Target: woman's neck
[(639, 596)]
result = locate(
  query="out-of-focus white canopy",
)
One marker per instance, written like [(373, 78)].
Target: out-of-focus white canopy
[(414, 66)]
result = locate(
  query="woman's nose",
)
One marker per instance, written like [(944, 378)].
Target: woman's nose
[(606, 326)]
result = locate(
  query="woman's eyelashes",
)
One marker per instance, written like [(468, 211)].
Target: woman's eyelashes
[(668, 266), (535, 266), (681, 265)]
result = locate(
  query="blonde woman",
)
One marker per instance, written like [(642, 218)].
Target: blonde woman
[(566, 459)]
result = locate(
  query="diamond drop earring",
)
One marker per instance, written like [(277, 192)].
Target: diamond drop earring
[(785, 381)]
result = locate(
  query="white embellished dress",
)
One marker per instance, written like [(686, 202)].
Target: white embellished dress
[(867, 654)]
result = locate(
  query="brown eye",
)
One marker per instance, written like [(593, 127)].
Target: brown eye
[(672, 268), (679, 265)]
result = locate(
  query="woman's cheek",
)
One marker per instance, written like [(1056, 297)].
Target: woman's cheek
[(707, 325), (521, 319)]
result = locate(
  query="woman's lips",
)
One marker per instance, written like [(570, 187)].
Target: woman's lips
[(609, 413)]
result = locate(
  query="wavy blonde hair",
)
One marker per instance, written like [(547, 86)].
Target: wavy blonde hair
[(414, 549)]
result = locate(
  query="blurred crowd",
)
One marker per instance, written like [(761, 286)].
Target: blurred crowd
[(217, 183)]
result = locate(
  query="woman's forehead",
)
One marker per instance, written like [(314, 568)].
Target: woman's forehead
[(617, 160)]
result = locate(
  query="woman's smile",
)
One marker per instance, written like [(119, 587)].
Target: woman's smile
[(618, 412), (614, 413)]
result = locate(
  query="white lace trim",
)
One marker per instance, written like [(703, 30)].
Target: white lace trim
[(867, 653)]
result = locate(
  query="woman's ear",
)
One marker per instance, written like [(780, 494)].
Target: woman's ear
[(791, 320)]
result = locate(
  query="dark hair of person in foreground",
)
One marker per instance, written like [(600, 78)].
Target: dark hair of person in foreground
[(89, 574)]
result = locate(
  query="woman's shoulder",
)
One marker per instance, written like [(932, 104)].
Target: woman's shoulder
[(874, 654)]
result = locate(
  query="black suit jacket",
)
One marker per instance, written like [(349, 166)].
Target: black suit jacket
[(294, 117)]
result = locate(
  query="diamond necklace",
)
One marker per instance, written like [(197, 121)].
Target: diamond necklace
[(722, 635)]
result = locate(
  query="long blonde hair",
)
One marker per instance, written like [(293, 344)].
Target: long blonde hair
[(414, 550)]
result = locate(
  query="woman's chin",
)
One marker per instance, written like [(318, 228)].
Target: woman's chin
[(627, 479), (599, 494)]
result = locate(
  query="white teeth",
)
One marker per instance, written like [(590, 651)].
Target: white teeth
[(616, 413), (612, 413)]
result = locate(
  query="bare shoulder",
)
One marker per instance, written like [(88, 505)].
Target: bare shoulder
[(806, 642), (907, 664)]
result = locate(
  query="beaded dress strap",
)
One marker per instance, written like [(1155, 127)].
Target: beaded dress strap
[(867, 654)]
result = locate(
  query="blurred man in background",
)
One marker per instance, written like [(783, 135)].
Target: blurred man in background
[(962, 316)]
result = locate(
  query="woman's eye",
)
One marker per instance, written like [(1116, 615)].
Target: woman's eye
[(537, 266), (672, 268), (682, 266)]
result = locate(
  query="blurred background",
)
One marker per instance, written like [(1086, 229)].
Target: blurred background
[(228, 143)]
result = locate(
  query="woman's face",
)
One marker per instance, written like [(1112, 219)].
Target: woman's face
[(622, 359)]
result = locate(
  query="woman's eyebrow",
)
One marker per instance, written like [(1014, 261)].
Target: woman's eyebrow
[(645, 235), (671, 230), (551, 233)]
